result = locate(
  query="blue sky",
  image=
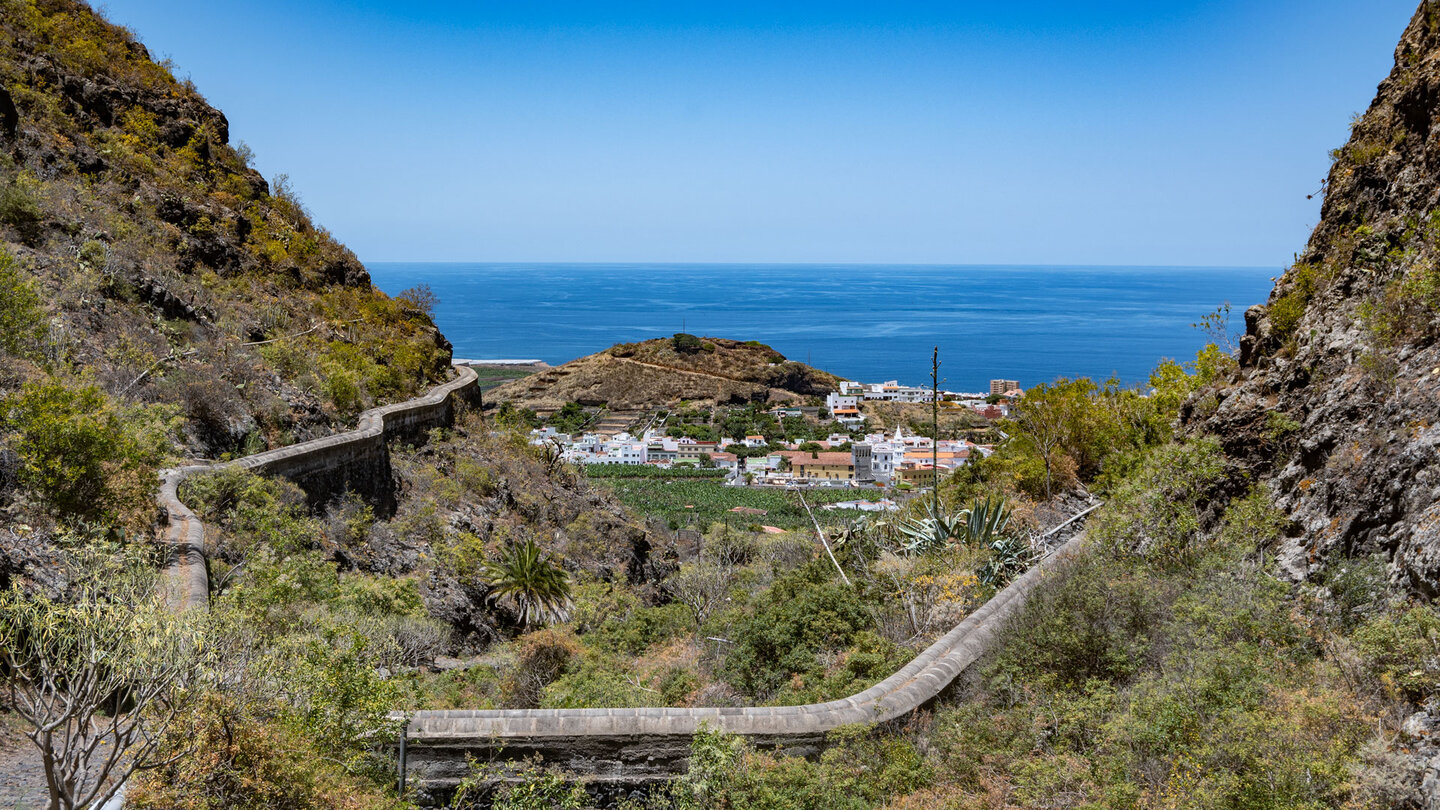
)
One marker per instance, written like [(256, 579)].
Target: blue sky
[(1175, 133)]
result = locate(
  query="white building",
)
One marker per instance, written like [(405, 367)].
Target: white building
[(627, 452)]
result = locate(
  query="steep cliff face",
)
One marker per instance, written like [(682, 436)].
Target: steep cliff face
[(1337, 400)]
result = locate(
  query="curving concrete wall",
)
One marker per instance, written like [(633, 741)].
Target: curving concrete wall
[(617, 745), (637, 745), (187, 576)]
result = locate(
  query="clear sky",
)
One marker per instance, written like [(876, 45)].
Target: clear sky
[(1119, 132)]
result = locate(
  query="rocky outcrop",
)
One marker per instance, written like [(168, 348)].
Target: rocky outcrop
[(1337, 401)]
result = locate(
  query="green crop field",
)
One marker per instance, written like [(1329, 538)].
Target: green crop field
[(645, 471), (491, 376), (710, 500)]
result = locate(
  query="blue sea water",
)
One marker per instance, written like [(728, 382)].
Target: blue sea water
[(864, 322)]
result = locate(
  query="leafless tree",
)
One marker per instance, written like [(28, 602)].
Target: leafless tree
[(99, 675), (701, 587)]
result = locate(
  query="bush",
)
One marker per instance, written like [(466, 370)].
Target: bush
[(336, 695), (20, 201), (1357, 588), (1402, 650), (1286, 311), (1094, 620), (685, 343), (1157, 512), (859, 769), (597, 682), (802, 614), (239, 760), (81, 457), (643, 627), (543, 657), (254, 512), (530, 787), (22, 319)]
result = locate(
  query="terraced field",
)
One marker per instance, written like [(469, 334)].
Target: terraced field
[(700, 503)]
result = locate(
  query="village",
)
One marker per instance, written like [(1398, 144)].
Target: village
[(853, 455)]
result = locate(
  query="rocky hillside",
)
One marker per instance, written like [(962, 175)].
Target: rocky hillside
[(661, 372), (143, 252), (1337, 400)]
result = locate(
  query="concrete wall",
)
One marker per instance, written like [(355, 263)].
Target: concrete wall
[(357, 458), (638, 745)]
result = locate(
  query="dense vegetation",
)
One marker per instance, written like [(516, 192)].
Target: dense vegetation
[(158, 299)]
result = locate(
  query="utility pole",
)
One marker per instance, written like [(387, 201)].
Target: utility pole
[(935, 421)]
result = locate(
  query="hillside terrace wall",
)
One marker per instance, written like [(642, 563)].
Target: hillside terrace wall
[(633, 746), (325, 465)]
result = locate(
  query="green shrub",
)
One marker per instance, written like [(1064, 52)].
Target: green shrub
[(253, 512), (802, 614), (1402, 650), (677, 686), (237, 758), (81, 456), (685, 343), (859, 769), (634, 632), (1251, 523), (868, 661), (1285, 312), (1156, 512), (1357, 588), (339, 698), (462, 554), (1094, 620), (342, 389), (1236, 729), (1279, 426), (532, 786), (20, 201), (596, 682), (22, 318), (475, 477)]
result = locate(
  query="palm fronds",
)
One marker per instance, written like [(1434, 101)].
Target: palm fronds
[(531, 582)]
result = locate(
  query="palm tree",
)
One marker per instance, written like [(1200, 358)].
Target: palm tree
[(531, 582)]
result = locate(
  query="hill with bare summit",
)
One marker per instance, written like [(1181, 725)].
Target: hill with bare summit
[(661, 372)]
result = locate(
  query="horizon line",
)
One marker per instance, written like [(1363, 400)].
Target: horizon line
[(612, 263)]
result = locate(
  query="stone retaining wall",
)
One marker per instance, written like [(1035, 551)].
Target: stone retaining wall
[(341, 458), (639, 745)]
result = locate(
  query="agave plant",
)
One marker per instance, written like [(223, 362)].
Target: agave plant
[(1009, 558), (933, 530), (531, 582), (986, 520)]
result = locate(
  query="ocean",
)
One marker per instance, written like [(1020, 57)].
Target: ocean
[(865, 322)]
